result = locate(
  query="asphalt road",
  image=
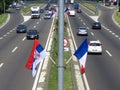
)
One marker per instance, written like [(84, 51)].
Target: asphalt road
[(15, 50), (102, 71)]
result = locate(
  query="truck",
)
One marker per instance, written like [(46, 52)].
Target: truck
[(35, 12)]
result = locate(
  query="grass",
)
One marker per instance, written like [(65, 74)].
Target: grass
[(90, 7), (53, 81), (3, 18), (27, 9), (117, 17)]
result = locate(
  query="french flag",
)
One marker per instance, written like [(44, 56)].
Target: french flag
[(67, 11), (37, 54), (81, 54)]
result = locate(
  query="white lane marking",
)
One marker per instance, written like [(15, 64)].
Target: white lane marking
[(108, 53), (1, 37), (24, 39), (116, 36), (92, 33), (37, 22), (34, 26), (110, 31), (4, 35), (1, 65), (14, 49), (8, 32), (84, 24), (113, 33)]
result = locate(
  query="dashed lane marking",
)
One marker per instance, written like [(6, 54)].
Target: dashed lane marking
[(108, 53), (14, 49)]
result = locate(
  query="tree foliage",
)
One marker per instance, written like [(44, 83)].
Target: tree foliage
[(7, 3)]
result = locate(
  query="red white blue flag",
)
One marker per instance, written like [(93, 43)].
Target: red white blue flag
[(37, 54), (81, 54), (67, 11)]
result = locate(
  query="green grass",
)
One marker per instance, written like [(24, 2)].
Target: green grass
[(53, 81), (3, 18), (90, 7), (27, 9), (117, 17)]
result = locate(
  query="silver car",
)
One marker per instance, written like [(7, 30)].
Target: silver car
[(82, 31)]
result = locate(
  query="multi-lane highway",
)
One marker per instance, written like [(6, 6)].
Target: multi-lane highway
[(15, 49), (102, 71)]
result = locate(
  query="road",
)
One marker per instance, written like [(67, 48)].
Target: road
[(102, 71), (15, 50)]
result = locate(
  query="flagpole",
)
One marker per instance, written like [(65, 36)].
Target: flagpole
[(69, 60), (52, 60)]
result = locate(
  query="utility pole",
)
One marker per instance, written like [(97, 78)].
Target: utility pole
[(61, 45)]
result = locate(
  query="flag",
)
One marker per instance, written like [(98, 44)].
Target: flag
[(67, 11), (81, 54), (53, 13), (37, 54)]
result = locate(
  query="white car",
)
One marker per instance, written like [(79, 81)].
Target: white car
[(95, 47)]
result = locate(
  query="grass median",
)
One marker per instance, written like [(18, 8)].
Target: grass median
[(117, 17), (3, 18), (53, 79)]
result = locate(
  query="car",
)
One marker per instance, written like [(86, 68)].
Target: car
[(47, 16), (21, 28), (41, 10), (82, 31), (32, 34), (79, 10), (96, 25), (95, 47)]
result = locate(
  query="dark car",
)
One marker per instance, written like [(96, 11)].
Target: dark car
[(32, 34), (41, 10), (79, 10), (47, 16), (96, 25), (21, 28)]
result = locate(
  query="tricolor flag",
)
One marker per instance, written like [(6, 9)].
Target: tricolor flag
[(53, 13), (37, 54), (67, 11), (81, 54)]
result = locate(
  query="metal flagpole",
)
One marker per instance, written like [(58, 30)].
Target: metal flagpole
[(61, 45)]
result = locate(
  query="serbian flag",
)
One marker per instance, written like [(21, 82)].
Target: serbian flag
[(81, 54), (67, 11), (37, 54)]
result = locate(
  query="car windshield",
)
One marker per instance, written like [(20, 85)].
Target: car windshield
[(20, 27), (47, 14), (82, 28), (32, 32)]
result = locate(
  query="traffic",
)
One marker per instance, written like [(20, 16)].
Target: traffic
[(17, 37)]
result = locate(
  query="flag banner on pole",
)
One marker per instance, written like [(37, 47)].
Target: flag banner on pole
[(81, 54), (37, 54), (67, 11)]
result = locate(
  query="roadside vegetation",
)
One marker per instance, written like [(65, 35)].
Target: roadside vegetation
[(53, 79), (90, 7), (3, 18), (117, 17), (26, 10)]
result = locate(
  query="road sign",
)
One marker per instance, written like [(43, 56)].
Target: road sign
[(65, 42)]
